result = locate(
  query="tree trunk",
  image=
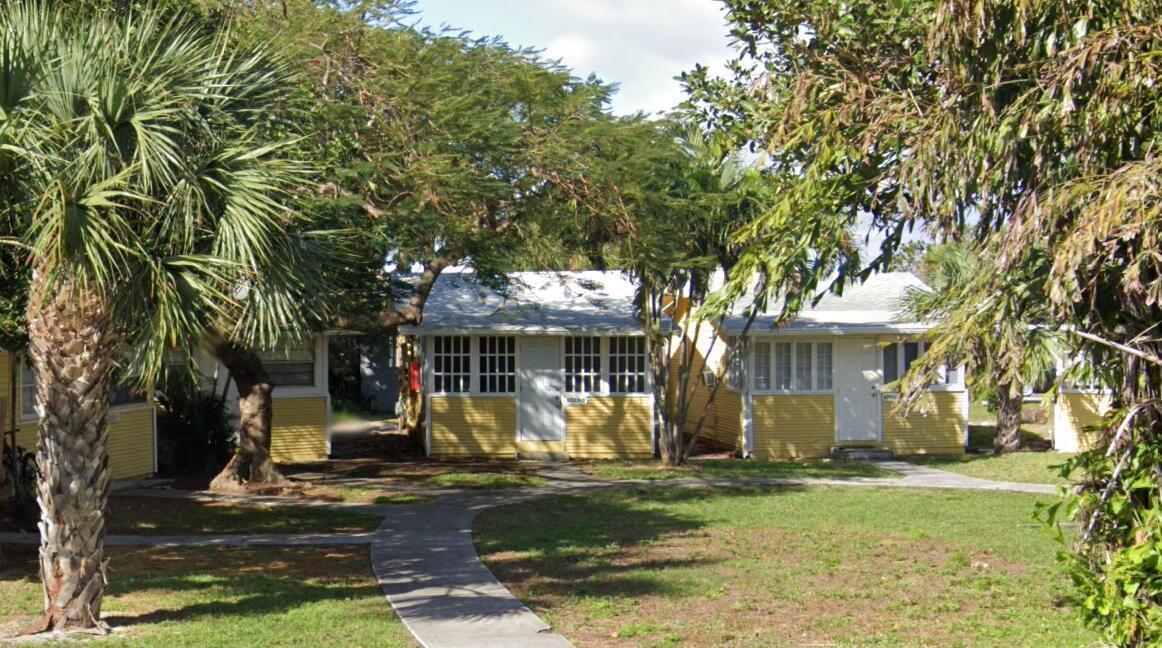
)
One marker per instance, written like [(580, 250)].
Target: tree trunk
[(251, 463), (1009, 401), (74, 355)]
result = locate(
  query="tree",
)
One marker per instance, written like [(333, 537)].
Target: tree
[(982, 316), (139, 179), (1029, 126)]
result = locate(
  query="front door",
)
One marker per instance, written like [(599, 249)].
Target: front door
[(857, 390), (541, 387)]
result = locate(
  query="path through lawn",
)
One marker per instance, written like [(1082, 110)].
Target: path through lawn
[(791, 567), (225, 597)]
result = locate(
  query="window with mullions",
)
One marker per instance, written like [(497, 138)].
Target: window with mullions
[(627, 365), (292, 365), (898, 358), (583, 365), (27, 390), (451, 364), (497, 365), (793, 366)]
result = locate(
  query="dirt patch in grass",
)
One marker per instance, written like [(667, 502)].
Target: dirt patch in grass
[(220, 597), (436, 474), (734, 469)]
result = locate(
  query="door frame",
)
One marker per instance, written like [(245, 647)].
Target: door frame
[(520, 435), (879, 391)]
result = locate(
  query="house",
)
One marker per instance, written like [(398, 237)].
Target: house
[(541, 364), (822, 380), (301, 426), (1078, 406), (132, 419)]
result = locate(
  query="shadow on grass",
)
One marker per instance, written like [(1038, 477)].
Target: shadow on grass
[(982, 436), (156, 585), (581, 544)]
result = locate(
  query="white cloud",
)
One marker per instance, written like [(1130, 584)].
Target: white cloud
[(639, 44)]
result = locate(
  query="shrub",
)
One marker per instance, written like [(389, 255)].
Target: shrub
[(195, 429)]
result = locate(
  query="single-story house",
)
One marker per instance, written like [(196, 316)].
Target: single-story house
[(822, 380), (132, 419), (1076, 408), (544, 364), (301, 427)]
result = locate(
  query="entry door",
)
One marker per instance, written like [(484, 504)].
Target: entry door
[(541, 386), (857, 390)]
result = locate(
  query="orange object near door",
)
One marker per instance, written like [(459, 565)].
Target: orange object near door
[(414, 376)]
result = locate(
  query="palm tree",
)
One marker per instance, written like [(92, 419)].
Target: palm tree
[(984, 316), (147, 197)]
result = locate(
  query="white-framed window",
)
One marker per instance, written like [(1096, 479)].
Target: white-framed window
[(292, 365), (627, 365), (451, 364), (782, 365), (824, 366), (497, 367), (27, 390), (582, 365), (793, 366), (762, 366), (899, 357), (736, 365)]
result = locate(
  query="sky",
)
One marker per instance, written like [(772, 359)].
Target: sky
[(639, 44)]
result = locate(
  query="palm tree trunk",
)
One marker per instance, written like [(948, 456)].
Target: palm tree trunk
[(251, 462), (1009, 401), (74, 355)]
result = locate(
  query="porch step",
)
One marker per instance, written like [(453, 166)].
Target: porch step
[(863, 454), (542, 456)]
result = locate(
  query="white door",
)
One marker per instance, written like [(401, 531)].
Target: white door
[(541, 388), (857, 390)]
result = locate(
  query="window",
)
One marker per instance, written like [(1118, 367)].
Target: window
[(627, 365), (899, 358), (762, 366), (782, 366), (27, 391), (497, 365), (793, 366), (451, 364), (803, 366), (583, 365), (736, 367), (891, 366), (128, 392), (823, 366), (291, 366)]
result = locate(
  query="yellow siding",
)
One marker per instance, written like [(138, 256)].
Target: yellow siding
[(793, 426), (130, 442), (541, 447), (299, 429), (473, 426), (1072, 414), (935, 427), (609, 427), (728, 419)]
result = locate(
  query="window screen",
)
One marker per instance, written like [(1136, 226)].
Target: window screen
[(497, 365), (451, 363), (583, 364), (627, 365)]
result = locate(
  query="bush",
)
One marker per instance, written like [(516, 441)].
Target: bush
[(195, 429)]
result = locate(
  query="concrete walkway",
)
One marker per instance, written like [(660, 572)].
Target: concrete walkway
[(426, 563)]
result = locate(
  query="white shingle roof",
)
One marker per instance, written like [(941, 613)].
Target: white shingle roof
[(873, 306), (555, 302)]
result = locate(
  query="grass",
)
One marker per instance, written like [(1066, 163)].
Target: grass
[(224, 597), (1023, 467), (734, 468), (162, 516), (483, 479), (795, 566), (983, 425)]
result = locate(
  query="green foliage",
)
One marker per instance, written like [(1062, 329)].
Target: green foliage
[(195, 429), (146, 167), (1031, 129)]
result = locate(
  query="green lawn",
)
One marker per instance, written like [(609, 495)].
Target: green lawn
[(224, 597), (796, 566), (729, 468), (438, 474), (1024, 467), (146, 515), (485, 479)]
